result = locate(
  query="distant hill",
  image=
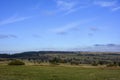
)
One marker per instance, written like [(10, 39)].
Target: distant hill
[(36, 54), (33, 54)]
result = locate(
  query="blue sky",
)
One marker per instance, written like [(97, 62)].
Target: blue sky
[(27, 25)]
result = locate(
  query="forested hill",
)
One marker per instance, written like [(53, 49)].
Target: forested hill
[(33, 54), (36, 54)]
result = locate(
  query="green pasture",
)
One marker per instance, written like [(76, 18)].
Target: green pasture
[(57, 73)]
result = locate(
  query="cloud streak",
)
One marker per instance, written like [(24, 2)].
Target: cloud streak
[(3, 36), (94, 29), (13, 19), (66, 28), (107, 45), (73, 26), (99, 48), (36, 36), (105, 3), (116, 8), (66, 7), (113, 5)]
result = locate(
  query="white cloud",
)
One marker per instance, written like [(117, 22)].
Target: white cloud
[(71, 11), (73, 26), (36, 7), (105, 3), (116, 8), (4, 36), (98, 48), (66, 6), (70, 6), (64, 29), (13, 19), (113, 5), (93, 29), (36, 36)]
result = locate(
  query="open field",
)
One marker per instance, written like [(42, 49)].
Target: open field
[(60, 66), (57, 73)]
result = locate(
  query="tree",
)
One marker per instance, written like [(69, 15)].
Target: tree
[(55, 60), (94, 63), (16, 62), (118, 63), (101, 62), (75, 62)]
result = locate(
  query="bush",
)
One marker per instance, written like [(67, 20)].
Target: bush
[(119, 64), (101, 62), (94, 64), (16, 62), (111, 65), (54, 61), (75, 62)]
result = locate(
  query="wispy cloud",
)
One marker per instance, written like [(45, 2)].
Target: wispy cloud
[(72, 10), (73, 26), (35, 7), (99, 48), (111, 4), (4, 36), (70, 6), (107, 45), (13, 19), (93, 30), (36, 36), (116, 8), (65, 7), (105, 3), (90, 34), (66, 28)]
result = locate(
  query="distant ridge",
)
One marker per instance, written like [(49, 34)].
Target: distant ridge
[(37, 53)]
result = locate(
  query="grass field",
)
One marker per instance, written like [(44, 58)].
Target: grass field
[(57, 73)]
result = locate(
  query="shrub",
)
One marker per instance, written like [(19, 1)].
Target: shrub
[(16, 62), (111, 65), (119, 64), (101, 62), (94, 64), (75, 62), (54, 61)]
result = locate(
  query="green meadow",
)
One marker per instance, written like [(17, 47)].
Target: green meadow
[(30, 72)]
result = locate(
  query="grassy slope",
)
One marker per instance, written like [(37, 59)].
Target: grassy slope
[(56, 73)]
